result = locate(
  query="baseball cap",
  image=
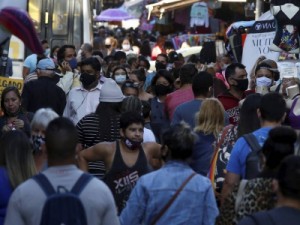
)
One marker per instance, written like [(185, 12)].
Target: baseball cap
[(45, 64), (173, 56)]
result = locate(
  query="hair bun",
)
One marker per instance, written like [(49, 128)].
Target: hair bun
[(283, 134)]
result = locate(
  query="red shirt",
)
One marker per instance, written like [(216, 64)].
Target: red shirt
[(176, 98)]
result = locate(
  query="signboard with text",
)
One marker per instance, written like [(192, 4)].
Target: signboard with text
[(258, 42)]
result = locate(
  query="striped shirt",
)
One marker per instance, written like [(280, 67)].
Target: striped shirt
[(92, 130)]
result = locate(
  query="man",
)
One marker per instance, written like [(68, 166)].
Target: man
[(184, 93), (84, 99), (126, 159), (236, 77), (202, 88), (85, 51), (270, 116), (27, 201), (29, 65), (66, 59), (194, 205), (43, 92), (6, 68)]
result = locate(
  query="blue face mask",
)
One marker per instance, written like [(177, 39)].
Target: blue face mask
[(73, 63), (120, 79)]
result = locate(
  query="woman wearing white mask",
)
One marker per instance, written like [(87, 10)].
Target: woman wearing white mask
[(264, 78), (119, 75), (126, 46)]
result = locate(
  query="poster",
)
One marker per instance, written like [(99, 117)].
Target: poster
[(258, 42), (7, 81)]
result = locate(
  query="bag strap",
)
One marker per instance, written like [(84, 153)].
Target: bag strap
[(252, 142), (47, 187), (45, 184), (240, 193), (82, 181), (165, 208)]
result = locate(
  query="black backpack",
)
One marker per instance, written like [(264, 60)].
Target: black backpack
[(63, 206), (253, 160)]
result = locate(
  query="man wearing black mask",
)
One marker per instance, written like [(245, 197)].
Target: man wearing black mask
[(237, 79), (84, 99), (161, 62)]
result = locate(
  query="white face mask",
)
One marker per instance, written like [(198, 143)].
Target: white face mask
[(126, 47), (263, 81), (120, 78)]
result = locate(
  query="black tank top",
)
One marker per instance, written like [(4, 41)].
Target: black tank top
[(121, 179)]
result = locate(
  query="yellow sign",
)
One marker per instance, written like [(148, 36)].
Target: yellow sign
[(7, 81)]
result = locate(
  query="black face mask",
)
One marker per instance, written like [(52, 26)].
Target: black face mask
[(161, 90), (160, 66), (242, 85), (87, 79)]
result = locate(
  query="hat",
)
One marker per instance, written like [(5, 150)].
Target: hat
[(110, 92), (173, 56), (45, 64)]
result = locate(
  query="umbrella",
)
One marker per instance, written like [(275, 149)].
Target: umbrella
[(111, 15), (17, 22)]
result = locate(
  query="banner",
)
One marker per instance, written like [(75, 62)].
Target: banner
[(7, 81), (258, 42)]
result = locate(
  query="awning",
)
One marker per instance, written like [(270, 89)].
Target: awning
[(163, 6)]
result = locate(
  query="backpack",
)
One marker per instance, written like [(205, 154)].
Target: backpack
[(63, 206), (253, 160), (222, 152)]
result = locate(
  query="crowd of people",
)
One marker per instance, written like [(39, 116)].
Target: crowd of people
[(96, 136)]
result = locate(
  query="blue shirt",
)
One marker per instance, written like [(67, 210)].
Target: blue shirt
[(202, 153), (5, 193), (241, 149), (186, 112), (195, 204)]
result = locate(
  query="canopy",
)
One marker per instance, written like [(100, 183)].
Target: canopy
[(163, 6), (111, 15)]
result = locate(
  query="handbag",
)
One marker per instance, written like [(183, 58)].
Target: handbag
[(165, 208)]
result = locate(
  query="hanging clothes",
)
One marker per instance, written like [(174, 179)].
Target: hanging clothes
[(199, 14)]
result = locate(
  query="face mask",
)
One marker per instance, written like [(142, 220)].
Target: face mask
[(161, 90), (242, 85), (37, 141), (224, 67), (87, 79), (126, 47), (107, 46), (120, 79), (73, 63), (160, 66), (47, 52), (263, 81), (132, 145)]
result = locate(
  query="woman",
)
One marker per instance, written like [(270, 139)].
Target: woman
[(258, 193), (287, 187), (103, 124), (161, 85), (14, 116), (264, 78), (139, 78), (15, 148), (126, 46), (208, 126), (119, 75), (39, 123), (53, 53), (248, 123)]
